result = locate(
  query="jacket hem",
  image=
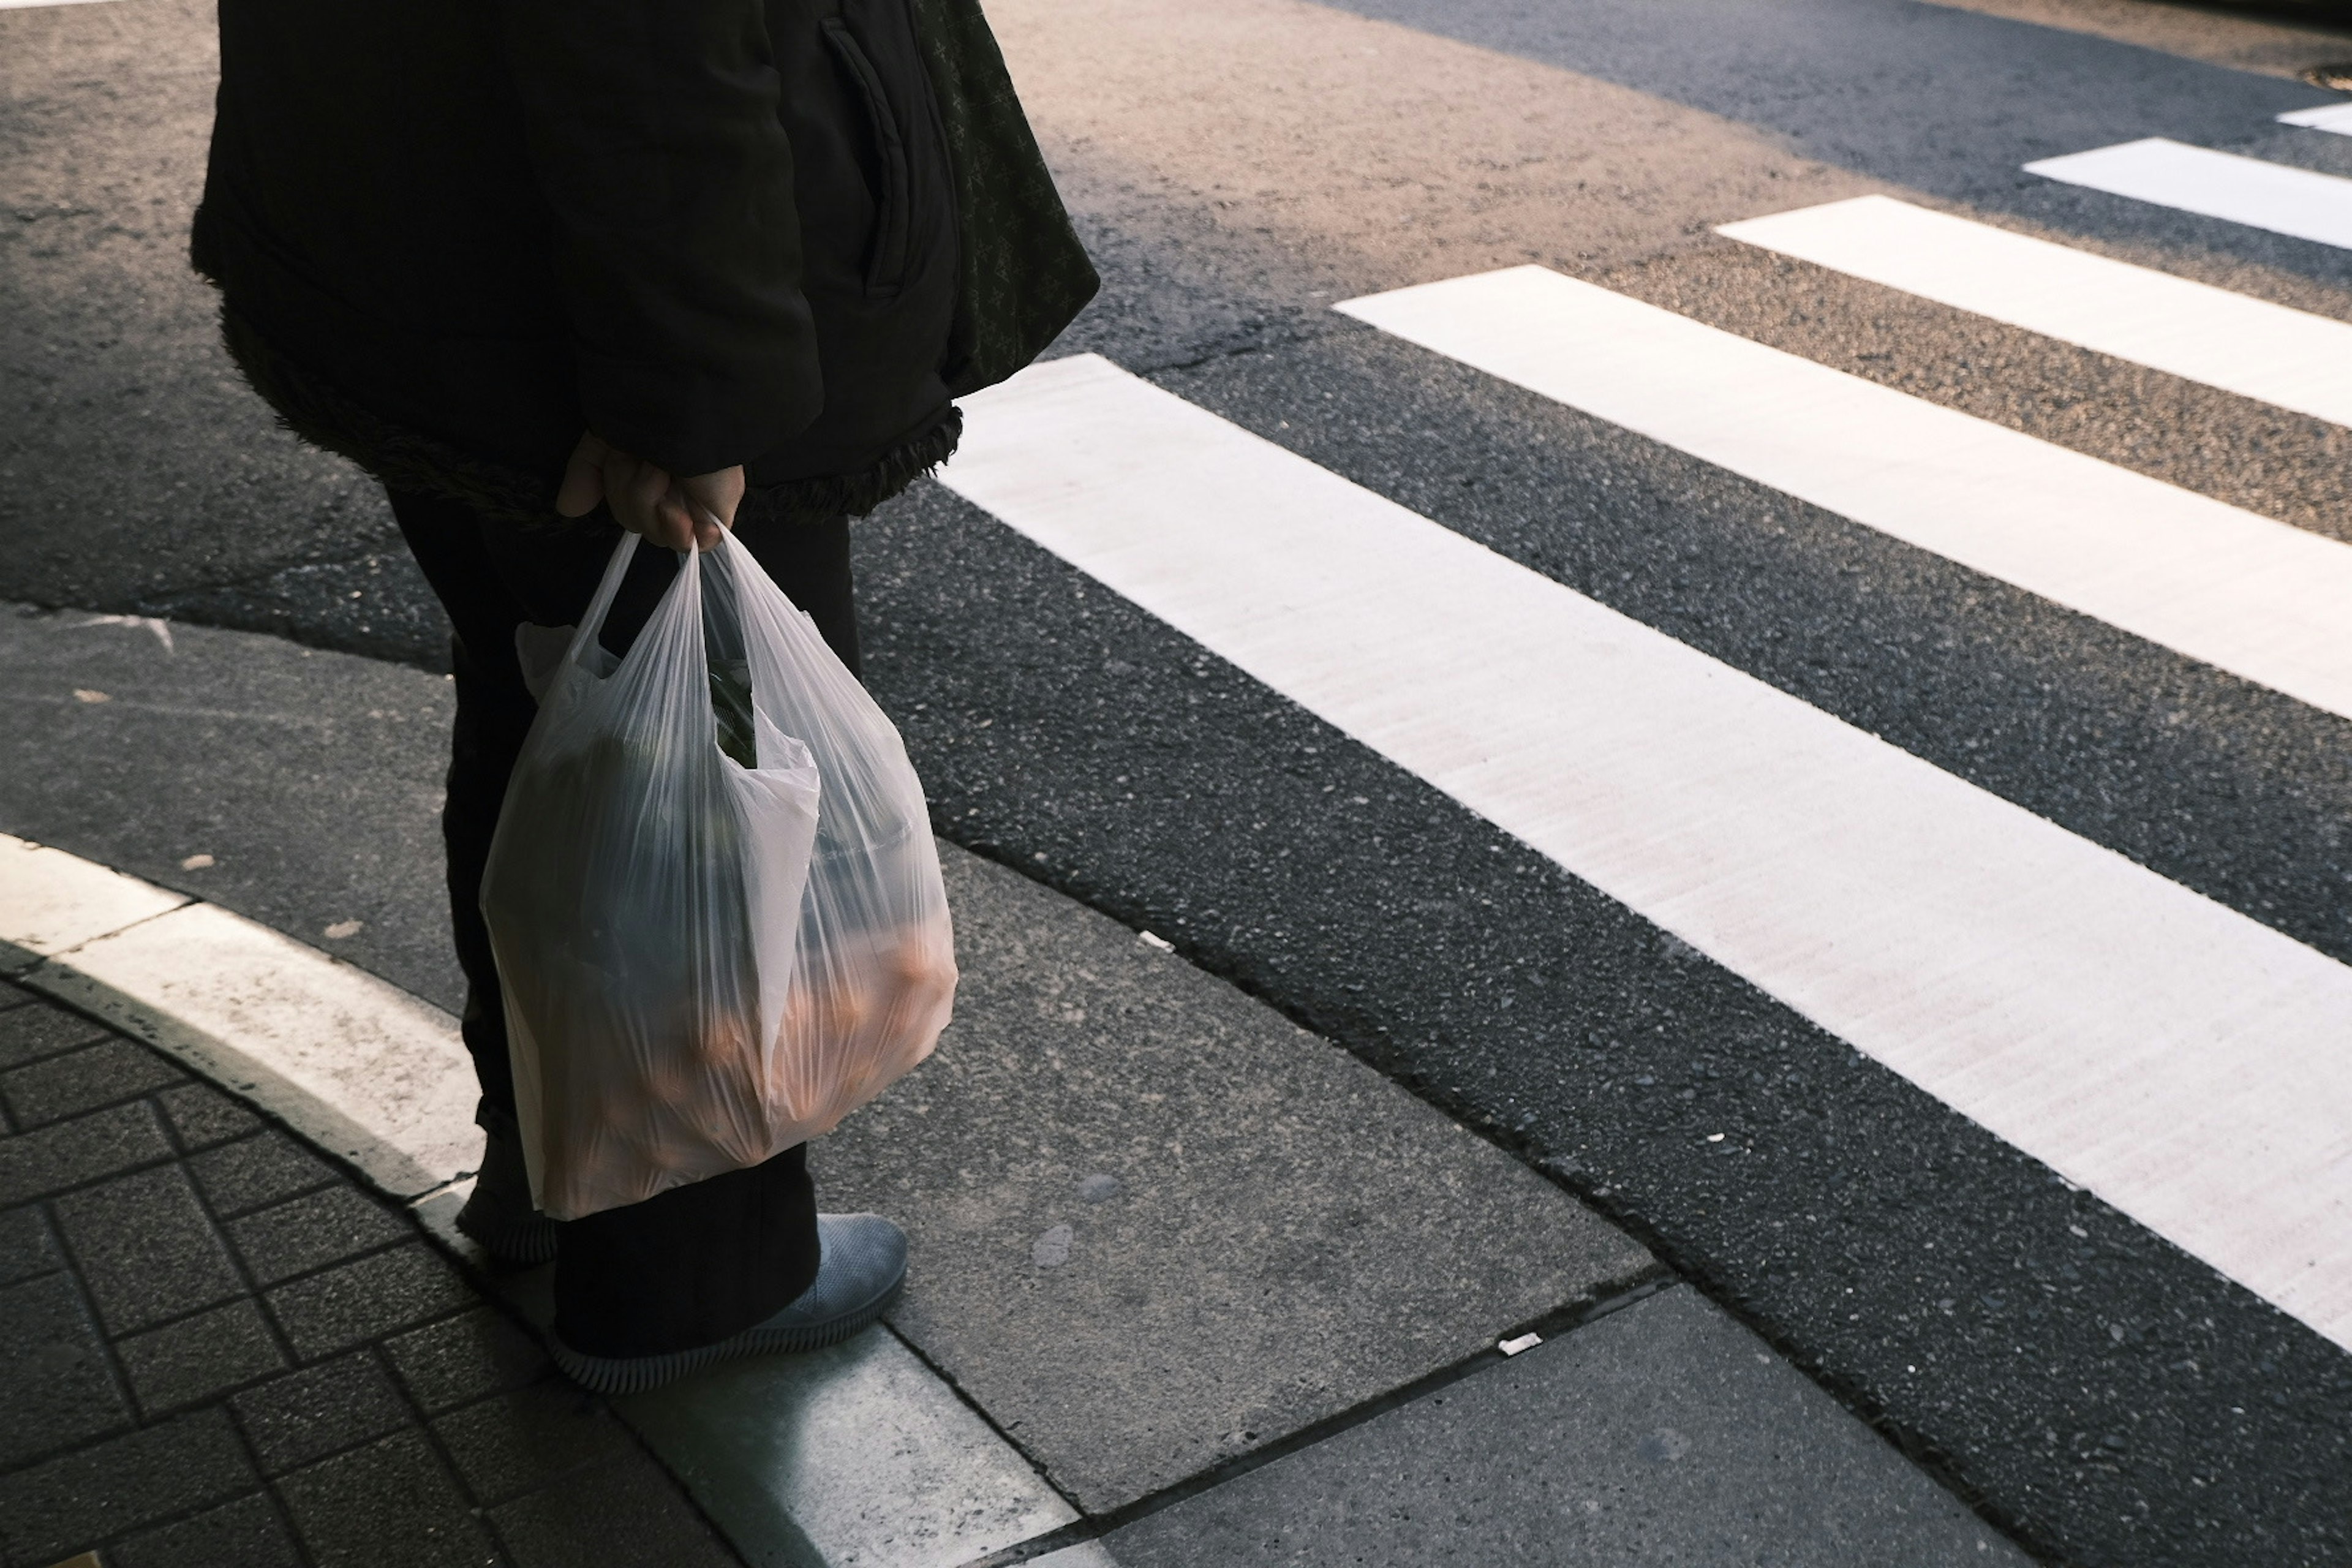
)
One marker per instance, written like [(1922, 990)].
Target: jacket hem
[(412, 462), (855, 494), (404, 459)]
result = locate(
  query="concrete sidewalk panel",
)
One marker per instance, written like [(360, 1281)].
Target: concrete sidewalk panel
[(1155, 1224), (50, 901), (856, 1457), (1084, 1555), (1664, 1433), (853, 1456)]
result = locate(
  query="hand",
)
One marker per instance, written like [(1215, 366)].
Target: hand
[(678, 514)]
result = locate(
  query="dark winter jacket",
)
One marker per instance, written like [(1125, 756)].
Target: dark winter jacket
[(452, 233)]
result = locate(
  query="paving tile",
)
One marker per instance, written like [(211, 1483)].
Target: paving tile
[(1284, 1233), (311, 1232), (101, 1074), (388, 1505), (307, 1414), (263, 1168), (513, 1442), (246, 1534), (202, 1115), (146, 1249), (195, 1357), (68, 1154), (376, 1296), (1664, 1433), (26, 1248), (30, 1033), (621, 1513), (465, 1357), (54, 1381), (110, 1487)]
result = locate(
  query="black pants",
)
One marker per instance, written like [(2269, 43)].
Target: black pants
[(701, 1262)]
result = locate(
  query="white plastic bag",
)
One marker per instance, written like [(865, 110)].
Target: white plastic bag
[(704, 963)]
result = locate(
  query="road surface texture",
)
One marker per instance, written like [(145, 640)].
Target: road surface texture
[(1852, 792)]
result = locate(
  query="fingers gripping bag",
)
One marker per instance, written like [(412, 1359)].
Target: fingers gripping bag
[(713, 895)]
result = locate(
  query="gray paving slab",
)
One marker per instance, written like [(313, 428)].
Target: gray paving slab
[(375, 1297), (305, 1415), (26, 1248), (53, 1375), (29, 1034), (1661, 1434), (82, 1150), (474, 1355), (247, 1532), (395, 1489), (197, 1358), (854, 1457), (1084, 1555), (262, 1169), (510, 1442), (147, 1249), (607, 1516), (128, 1481), (212, 1438), (311, 1232), (1155, 1224), (203, 1116), (81, 1080)]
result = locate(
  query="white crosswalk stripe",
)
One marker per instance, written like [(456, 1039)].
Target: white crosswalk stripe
[(2186, 1063), (2251, 347), (2336, 117), (2245, 592), (2250, 191), (2190, 1065)]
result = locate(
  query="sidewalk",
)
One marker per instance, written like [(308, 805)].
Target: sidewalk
[(219, 1345), (1190, 1285)]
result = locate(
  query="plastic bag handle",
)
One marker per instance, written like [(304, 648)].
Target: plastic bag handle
[(592, 624), (607, 591)]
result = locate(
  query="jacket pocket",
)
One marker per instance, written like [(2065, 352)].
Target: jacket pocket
[(886, 260)]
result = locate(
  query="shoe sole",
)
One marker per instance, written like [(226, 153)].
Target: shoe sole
[(525, 1244), (635, 1374)]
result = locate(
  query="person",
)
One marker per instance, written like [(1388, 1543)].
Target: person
[(550, 270)]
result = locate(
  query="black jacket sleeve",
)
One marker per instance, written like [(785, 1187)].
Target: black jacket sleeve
[(653, 128)]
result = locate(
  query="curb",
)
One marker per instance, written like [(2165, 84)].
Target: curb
[(380, 1079), (353, 1064)]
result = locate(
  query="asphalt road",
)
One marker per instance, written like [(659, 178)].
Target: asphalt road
[(1238, 166)]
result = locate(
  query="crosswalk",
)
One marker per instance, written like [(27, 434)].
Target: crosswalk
[(2253, 597), (2335, 117), (2292, 359), (2300, 202), (2190, 1065)]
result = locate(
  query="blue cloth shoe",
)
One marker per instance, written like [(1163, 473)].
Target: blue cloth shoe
[(861, 1264)]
